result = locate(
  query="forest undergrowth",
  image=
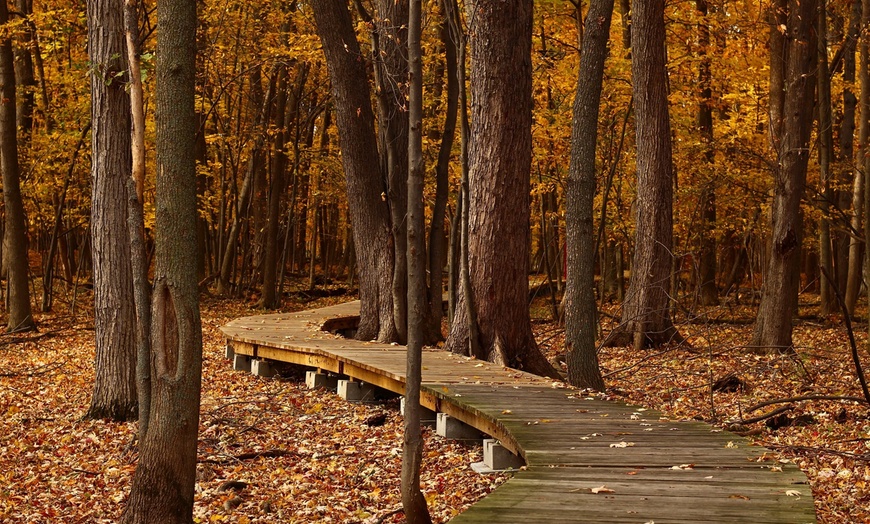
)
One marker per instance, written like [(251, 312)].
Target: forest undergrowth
[(271, 450)]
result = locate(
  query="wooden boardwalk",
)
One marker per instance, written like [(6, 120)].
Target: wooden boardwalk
[(587, 460)]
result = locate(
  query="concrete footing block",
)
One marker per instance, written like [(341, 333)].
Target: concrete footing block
[(427, 416), (230, 352), (497, 457), (449, 427), (242, 363), (316, 380), (355, 391), (263, 368)]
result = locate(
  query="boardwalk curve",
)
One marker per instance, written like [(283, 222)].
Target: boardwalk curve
[(587, 460)]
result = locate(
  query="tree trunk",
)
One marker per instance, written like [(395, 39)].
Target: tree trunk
[(581, 316), (847, 143), (114, 394), (646, 319), (856, 245), (708, 293), (365, 187), (442, 181), (499, 190), (268, 296), (393, 48), (413, 501), (24, 72), (826, 151), (163, 484), (18, 297), (792, 56)]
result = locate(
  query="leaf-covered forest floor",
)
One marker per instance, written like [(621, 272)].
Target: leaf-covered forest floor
[(272, 451), (302, 456), (828, 439)]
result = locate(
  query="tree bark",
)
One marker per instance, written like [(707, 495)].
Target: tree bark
[(826, 151), (646, 317), (413, 501), (18, 293), (708, 293), (442, 181), (499, 190), (163, 484), (855, 279), (790, 127), (114, 395), (581, 315), (365, 186)]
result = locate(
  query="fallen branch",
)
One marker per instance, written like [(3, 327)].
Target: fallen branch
[(854, 456), (765, 416), (271, 453), (801, 398)]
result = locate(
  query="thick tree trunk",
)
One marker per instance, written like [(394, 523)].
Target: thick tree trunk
[(163, 484), (499, 190), (581, 316), (114, 395), (794, 50), (15, 241), (365, 186), (646, 316)]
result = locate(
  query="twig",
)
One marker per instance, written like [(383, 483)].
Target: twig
[(271, 453), (388, 514), (760, 405), (861, 378)]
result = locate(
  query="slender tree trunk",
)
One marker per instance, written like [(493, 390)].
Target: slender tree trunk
[(413, 501), (826, 151), (393, 42), (365, 188), (442, 181), (847, 143), (163, 484), (24, 73), (499, 190), (792, 57), (268, 296), (856, 246), (18, 292), (646, 317), (581, 316), (708, 293), (136, 218)]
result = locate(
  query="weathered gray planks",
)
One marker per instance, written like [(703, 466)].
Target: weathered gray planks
[(644, 467)]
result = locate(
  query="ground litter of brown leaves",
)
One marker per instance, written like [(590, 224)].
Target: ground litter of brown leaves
[(270, 450)]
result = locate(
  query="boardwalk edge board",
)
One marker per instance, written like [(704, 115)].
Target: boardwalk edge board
[(587, 459)]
